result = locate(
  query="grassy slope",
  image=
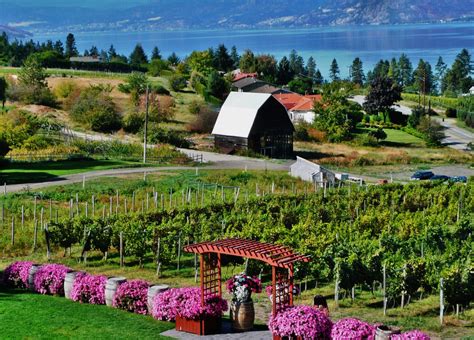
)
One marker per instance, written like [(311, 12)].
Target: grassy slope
[(27, 315), (42, 171)]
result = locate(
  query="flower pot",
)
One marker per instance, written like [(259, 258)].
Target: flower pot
[(152, 292), (111, 287), (69, 283), (385, 332), (242, 316), (201, 326)]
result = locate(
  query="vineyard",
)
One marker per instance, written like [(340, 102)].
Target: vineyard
[(407, 237)]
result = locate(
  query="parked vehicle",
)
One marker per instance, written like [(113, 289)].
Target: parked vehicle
[(458, 179), (439, 178), (421, 175)]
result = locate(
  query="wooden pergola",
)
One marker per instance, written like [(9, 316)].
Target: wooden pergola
[(280, 258)]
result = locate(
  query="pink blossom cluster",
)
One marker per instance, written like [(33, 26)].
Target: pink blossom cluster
[(186, 302), (49, 279), (89, 289), (301, 321), (352, 329), (16, 274), (411, 335), (132, 296)]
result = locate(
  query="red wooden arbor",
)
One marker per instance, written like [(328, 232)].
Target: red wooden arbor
[(281, 259)]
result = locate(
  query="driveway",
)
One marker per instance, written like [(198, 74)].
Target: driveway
[(456, 137)]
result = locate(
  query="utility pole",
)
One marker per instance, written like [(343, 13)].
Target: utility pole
[(145, 130)]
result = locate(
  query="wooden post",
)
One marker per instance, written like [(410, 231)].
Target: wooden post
[(336, 288), (41, 218), (441, 301), (22, 217), (158, 263), (121, 249), (111, 204), (133, 201), (274, 306), (83, 182), (13, 230), (117, 202), (46, 236), (77, 204), (125, 205), (179, 251), (384, 290), (87, 209), (34, 209), (35, 236)]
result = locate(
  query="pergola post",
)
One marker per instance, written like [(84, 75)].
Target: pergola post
[(201, 274), (274, 304)]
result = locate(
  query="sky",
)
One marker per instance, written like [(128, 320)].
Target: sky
[(75, 3)]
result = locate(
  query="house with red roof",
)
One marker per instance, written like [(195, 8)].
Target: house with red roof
[(300, 108)]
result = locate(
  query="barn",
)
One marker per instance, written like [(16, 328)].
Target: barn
[(256, 122)]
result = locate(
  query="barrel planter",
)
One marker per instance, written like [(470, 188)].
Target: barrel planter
[(385, 332), (31, 276), (201, 326), (111, 287), (69, 283), (152, 292), (242, 316)]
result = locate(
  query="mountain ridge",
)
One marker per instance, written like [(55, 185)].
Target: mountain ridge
[(233, 14)]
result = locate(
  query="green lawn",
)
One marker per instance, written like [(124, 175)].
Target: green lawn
[(26, 315), (24, 172), (399, 137)]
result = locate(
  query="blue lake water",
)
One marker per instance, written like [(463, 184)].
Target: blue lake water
[(370, 43)]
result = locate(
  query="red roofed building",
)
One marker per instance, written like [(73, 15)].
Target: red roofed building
[(300, 108), (240, 76)]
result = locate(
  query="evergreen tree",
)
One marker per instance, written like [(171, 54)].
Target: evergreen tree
[(458, 80), (334, 70), (216, 85), (71, 49), (284, 73), (94, 52), (248, 63), (234, 55), (406, 70), (266, 67), (155, 53), (112, 52), (440, 71), (86, 53), (357, 72), (381, 69), (173, 59), (32, 74), (138, 56), (393, 71), (104, 56), (3, 91), (318, 78), (296, 63), (224, 61), (423, 77), (311, 68), (58, 47)]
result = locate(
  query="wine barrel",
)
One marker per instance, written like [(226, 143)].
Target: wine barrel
[(68, 284), (242, 316), (31, 276), (152, 292), (385, 332), (111, 287)]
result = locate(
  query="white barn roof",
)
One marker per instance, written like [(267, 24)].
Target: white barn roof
[(238, 113)]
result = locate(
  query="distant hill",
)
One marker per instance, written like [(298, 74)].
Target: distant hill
[(44, 15), (13, 32)]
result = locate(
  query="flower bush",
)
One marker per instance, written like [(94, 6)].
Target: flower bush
[(132, 296), (89, 289), (352, 329), (304, 321), (411, 335), (241, 286), (186, 302), (16, 274), (49, 279)]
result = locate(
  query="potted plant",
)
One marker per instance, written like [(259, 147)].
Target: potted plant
[(242, 312), (300, 322), (183, 305)]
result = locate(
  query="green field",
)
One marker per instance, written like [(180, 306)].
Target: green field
[(401, 138), (22, 172), (24, 315)]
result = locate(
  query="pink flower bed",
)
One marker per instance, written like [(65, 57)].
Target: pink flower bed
[(16, 274), (352, 329), (49, 279), (132, 296), (411, 335), (186, 302), (304, 321), (89, 289)]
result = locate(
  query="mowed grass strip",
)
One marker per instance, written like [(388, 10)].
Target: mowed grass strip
[(35, 316)]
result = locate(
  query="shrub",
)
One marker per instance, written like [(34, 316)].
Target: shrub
[(158, 89), (16, 274), (301, 132), (411, 335), (301, 321), (204, 122), (186, 302), (367, 140), (177, 82), (65, 89), (195, 107), (451, 112), (157, 135), (49, 279), (89, 289), (432, 130), (132, 296), (133, 122), (31, 95), (350, 328)]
